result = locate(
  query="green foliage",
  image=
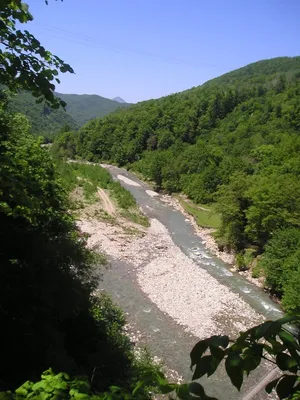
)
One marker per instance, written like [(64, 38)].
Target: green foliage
[(25, 63), (124, 198), (280, 263), (84, 107), (232, 202), (268, 341), (91, 177), (61, 386), (44, 120), (47, 275), (78, 110)]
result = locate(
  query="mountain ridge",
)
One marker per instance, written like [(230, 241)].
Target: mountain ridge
[(119, 99), (80, 109)]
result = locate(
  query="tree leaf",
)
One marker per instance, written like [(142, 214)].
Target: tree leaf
[(288, 339), (271, 385), (217, 352), (285, 362), (233, 365), (183, 392), (197, 351), (167, 388), (276, 346), (138, 386), (202, 367), (196, 389), (251, 360), (261, 330), (285, 386), (217, 341)]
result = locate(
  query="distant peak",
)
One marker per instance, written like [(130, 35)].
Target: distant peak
[(119, 99)]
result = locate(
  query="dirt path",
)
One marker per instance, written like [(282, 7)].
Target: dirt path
[(108, 205)]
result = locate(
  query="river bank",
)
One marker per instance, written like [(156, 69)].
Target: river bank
[(170, 302), (171, 280), (206, 234)]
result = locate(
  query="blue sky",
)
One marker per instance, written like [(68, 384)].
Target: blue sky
[(142, 49)]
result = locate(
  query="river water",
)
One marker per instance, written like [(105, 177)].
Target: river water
[(157, 330)]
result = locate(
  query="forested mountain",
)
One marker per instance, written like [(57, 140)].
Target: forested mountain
[(83, 107), (235, 141), (44, 120), (80, 109)]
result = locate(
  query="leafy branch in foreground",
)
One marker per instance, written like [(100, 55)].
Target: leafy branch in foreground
[(24, 62), (268, 341)]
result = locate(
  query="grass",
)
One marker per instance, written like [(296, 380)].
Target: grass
[(90, 177), (136, 216), (205, 215)]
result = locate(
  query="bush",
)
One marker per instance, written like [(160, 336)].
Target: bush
[(124, 198), (279, 249), (240, 262)]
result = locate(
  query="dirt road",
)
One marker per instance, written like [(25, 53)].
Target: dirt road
[(108, 205)]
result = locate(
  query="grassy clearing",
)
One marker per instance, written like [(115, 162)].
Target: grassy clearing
[(136, 216), (206, 216), (91, 177)]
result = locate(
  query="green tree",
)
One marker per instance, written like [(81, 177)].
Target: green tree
[(274, 204), (49, 313), (232, 204), (280, 264), (24, 62)]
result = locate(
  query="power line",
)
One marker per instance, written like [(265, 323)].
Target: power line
[(80, 38)]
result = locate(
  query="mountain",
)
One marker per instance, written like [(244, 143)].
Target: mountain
[(44, 121), (83, 107), (119, 99), (235, 141), (79, 110)]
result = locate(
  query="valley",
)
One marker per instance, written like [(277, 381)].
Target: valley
[(49, 122), (230, 146), (166, 281), (142, 244)]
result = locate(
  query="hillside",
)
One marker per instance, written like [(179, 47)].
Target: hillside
[(235, 141), (44, 121), (83, 107), (80, 109)]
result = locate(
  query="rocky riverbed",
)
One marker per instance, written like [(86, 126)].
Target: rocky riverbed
[(171, 280), (169, 300)]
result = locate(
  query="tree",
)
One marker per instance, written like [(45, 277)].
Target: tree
[(232, 204), (273, 204), (24, 62), (268, 341), (291, 294), (49, 313)]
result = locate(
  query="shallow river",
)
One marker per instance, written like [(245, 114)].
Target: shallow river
[(158, 331)]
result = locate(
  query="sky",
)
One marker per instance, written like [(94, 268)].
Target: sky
[(142, 49)]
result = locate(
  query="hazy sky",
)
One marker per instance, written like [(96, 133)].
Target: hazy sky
[(141, 49)]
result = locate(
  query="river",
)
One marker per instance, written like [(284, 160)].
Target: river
[(155, 328)]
